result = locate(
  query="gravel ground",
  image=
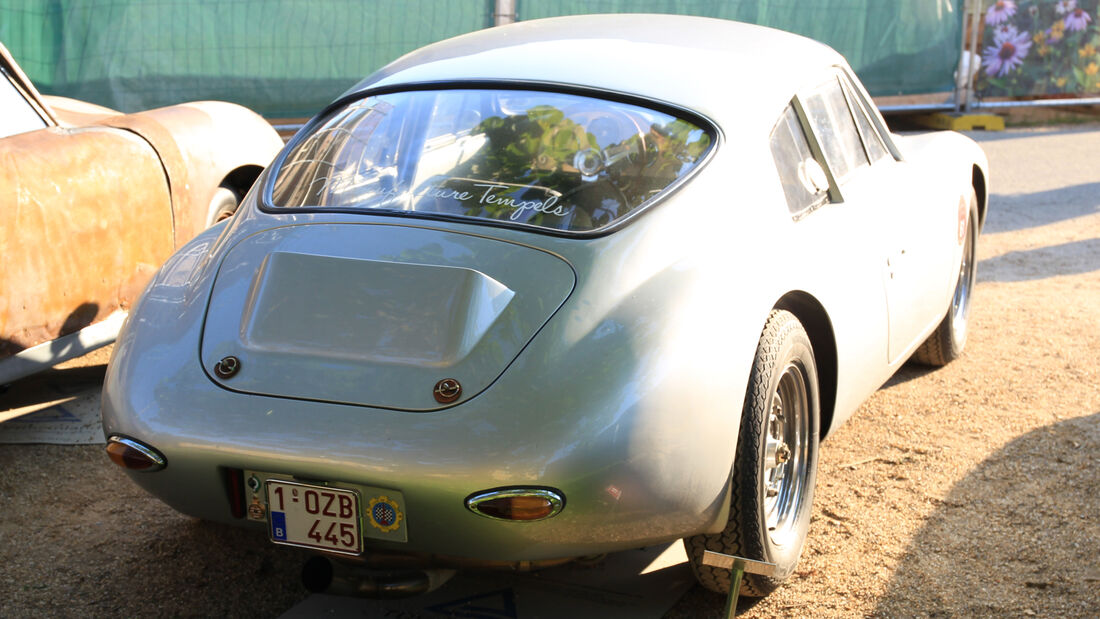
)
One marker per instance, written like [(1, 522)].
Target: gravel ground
[(969, 491)]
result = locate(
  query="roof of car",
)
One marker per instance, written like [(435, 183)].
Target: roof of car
[(727, 70)]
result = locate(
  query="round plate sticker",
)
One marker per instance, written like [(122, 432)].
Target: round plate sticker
[(384, 514)]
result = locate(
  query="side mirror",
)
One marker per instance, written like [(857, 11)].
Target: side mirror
[(813, 176)]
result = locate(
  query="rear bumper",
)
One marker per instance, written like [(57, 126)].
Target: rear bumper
[(616, 496)]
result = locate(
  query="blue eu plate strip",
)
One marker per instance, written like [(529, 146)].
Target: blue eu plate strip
[(278, 526)]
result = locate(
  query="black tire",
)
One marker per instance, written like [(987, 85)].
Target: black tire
[(947, 341), (761, 526), (222, 206)]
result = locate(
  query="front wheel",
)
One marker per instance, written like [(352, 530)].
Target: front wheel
[(947, 341), (775, 464)]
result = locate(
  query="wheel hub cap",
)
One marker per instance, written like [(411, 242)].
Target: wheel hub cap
[(786, 454)]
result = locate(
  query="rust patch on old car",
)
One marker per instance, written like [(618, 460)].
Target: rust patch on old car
[(82, 233)]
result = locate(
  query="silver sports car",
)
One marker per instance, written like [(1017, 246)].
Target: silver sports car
[(551, 290)]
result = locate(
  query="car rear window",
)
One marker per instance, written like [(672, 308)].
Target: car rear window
[(555, 161)]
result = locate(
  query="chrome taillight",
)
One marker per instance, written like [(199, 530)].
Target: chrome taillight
[(134, 455), (520, 504)]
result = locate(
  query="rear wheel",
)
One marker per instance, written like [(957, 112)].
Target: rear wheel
[(222, 206), (775, 465), (947, 341)]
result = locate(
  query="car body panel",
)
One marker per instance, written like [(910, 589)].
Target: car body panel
[(95, 200), (628, 399), (330, 318)]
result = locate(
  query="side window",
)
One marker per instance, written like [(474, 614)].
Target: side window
[(804, 181), (876, 150), (16, 114), (831, 119)]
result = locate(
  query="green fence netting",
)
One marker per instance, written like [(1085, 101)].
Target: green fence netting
[(282, 58), (288, 58), (896, 46)]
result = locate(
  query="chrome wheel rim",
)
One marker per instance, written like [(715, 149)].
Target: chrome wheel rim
[(960, 303), (786, 453)]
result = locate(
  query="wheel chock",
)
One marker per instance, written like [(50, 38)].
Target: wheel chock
[(737, 566), (960, 121)]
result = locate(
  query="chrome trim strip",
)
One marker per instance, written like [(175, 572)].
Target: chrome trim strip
[(556, 499)]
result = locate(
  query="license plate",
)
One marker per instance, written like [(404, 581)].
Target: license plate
[(314, 516)]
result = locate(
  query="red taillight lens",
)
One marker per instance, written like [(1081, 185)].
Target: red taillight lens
[(234, 490), (133, 455), (521, 504)]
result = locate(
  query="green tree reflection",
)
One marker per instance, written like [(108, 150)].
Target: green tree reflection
[(537, 155)]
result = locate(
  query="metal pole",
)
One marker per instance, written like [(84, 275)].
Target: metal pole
[(975, 26), (735, 592), (504, 12), (964, 62), (737, 566), (1039, 103)]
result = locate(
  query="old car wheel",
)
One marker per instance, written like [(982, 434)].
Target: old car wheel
[(775, 465), (947, 341), (222, 206)]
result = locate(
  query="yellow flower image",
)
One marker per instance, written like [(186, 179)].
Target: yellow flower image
[(1058, 30), (1044, 50), (1039, 37), (1092, 69), (1060, 82), (1086, 51)]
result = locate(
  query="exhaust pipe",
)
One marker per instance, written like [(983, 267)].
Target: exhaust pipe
[(319, 575)]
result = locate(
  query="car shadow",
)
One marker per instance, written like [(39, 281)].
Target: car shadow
[(1013, 529), (50, 385), (1073, 258), (911, 370), (1011, 213), (174, 565), (81, 316)]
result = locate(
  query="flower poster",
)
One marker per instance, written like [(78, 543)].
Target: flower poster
[(1039, 47)]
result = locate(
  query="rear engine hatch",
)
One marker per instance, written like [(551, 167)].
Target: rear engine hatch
[(376, 314)]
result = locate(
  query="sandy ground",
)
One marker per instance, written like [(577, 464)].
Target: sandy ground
[(968, 491)]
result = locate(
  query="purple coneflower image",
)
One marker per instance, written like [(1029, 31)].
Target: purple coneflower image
[(1006, 54), (1000, 11), (1065, 6), (1077, 19), (1005, 31)]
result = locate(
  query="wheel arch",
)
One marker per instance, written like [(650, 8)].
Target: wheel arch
[(979, 182), (815, 320), (241, 179)]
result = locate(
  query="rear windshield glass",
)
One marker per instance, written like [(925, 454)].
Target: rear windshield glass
[(552, 160)]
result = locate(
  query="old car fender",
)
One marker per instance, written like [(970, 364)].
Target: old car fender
[(201, 144)]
